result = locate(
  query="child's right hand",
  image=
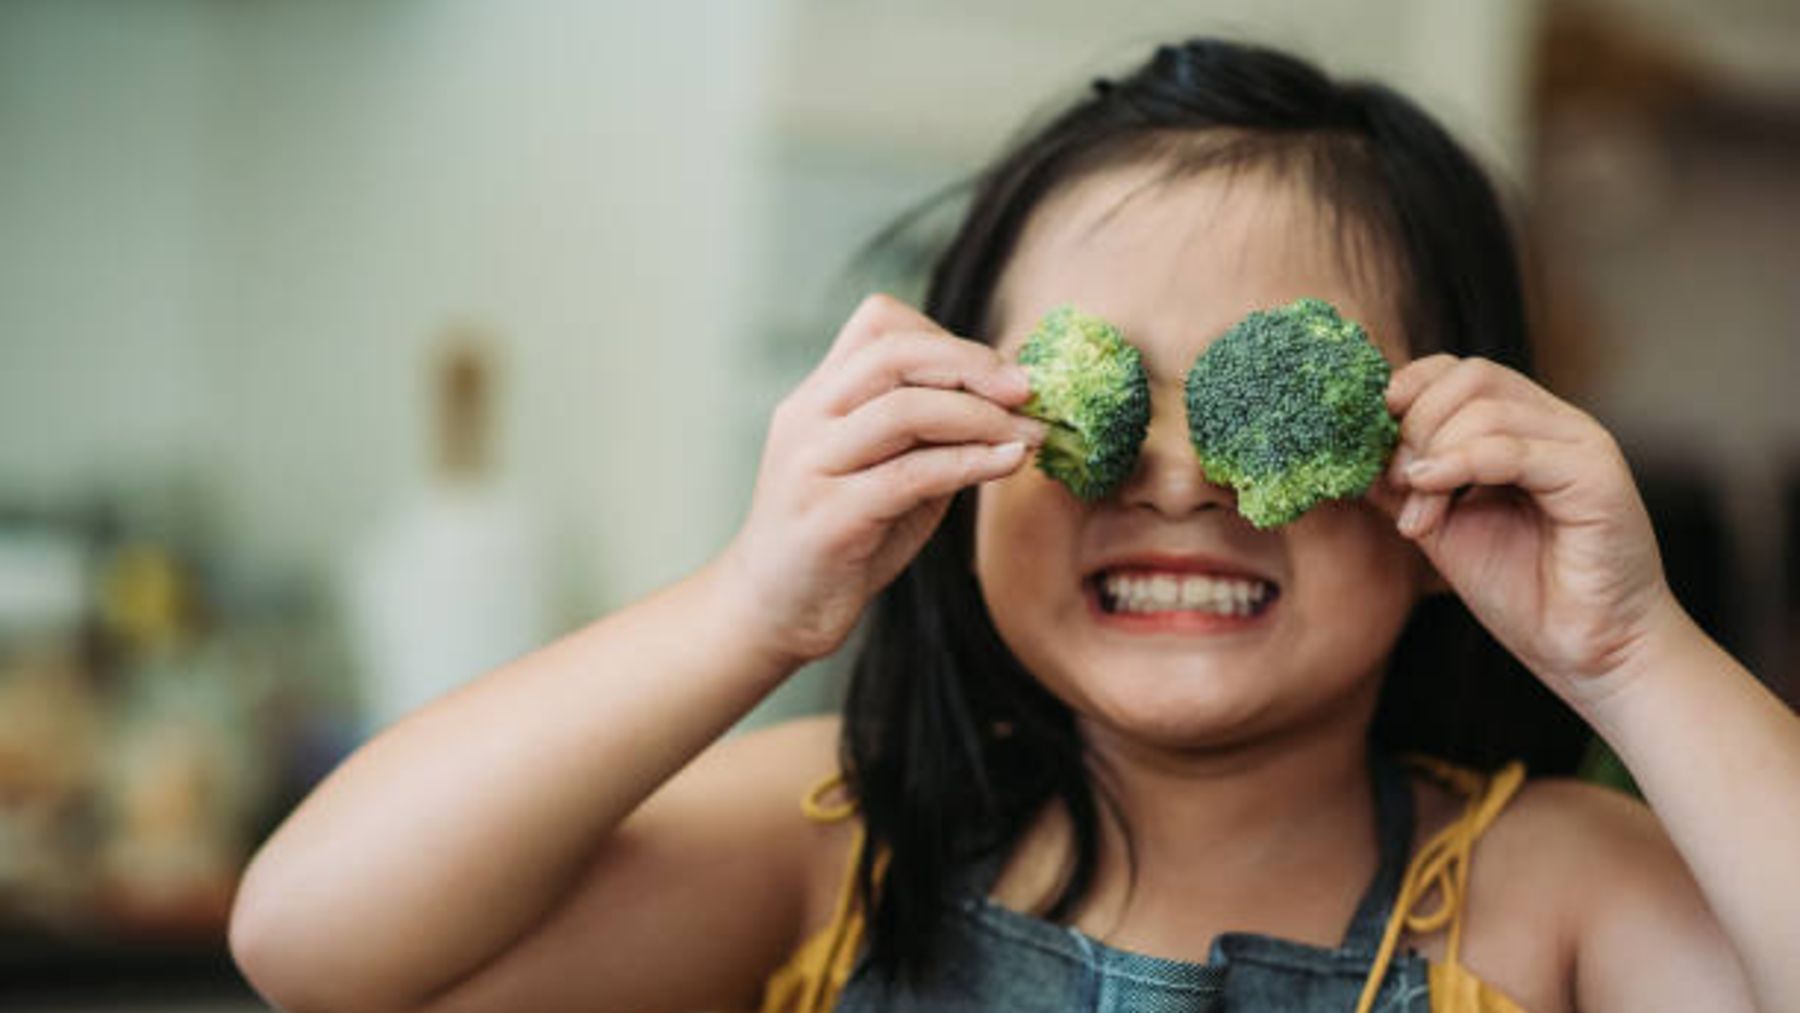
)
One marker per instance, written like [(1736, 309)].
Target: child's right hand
[(861, 461)]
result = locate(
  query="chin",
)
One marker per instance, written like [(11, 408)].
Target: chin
[(1176, 711)]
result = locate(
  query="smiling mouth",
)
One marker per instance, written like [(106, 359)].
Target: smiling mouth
[(1141, 592)]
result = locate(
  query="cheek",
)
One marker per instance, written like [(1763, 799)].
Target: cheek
[(1003, 517), (1363, 567), (1023, 535)]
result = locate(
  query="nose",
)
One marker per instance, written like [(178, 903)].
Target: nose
[(1168, 478)]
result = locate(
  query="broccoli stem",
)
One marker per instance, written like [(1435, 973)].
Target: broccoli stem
[(1064, 439)]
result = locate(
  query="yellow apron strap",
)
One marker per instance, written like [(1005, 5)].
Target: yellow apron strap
[(814, 806), (844, 933), (843, 936), (1442, 864), (1464, 780), (1500, 791)]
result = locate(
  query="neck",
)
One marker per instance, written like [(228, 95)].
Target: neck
[(1277, 833), (1196, 804)]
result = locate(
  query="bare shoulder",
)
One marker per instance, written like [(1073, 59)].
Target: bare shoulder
[(1578, 900), (771, 764), (801, 755), (1601, 855), (752, 786), (1555, 832), (1561, 828)]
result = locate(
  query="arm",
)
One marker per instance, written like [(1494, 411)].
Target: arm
[(1525, 506), (444, 841), (1718, 758), (520, 844)]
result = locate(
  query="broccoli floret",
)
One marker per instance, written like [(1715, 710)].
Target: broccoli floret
[(1090, 385), (1287, 408)]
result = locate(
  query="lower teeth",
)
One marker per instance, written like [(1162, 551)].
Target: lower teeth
[(1113, 606)]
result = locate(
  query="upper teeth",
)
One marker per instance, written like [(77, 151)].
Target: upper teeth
[(1161, 592)]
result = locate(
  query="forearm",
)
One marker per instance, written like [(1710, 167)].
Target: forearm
[(442, 841), (1718, 758)]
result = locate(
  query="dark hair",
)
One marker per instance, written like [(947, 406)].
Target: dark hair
[(950, 746)]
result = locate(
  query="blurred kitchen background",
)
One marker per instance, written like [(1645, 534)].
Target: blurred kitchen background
[(348, 348)]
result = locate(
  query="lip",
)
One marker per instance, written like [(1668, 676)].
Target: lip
[(1170, 562)]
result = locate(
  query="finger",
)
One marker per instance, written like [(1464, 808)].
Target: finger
[(1415, 376), (1481, 416), (876, 315), (924, 360), (1422, 513), (1386, 495), (897, 486), (904, 418), (1540, 467), (1469, 380), (1426, 526)]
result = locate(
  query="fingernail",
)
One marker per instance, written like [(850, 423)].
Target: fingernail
[(1033, 431), (1421, 468), (1008, 451), (1018, 378), (1410, 514)]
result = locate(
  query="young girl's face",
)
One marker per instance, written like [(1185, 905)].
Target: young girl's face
[(1174, 263)]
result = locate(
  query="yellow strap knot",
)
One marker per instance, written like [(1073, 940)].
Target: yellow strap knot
[(818, 810)]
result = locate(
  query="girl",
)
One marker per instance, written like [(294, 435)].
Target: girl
[(1038, 799)]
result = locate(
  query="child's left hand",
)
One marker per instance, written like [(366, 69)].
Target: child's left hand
[(1526, 507)]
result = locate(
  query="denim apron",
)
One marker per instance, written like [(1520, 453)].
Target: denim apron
[(999, 959)]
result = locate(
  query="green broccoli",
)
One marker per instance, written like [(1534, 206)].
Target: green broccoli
[(1090, 385), (1287, 408)]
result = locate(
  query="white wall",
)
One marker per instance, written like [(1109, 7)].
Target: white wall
[(946, 78), (101, 166), (231, 230), (574, 175)]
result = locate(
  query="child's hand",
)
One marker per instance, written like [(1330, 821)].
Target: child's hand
[(1550, 547), (860, 464)]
